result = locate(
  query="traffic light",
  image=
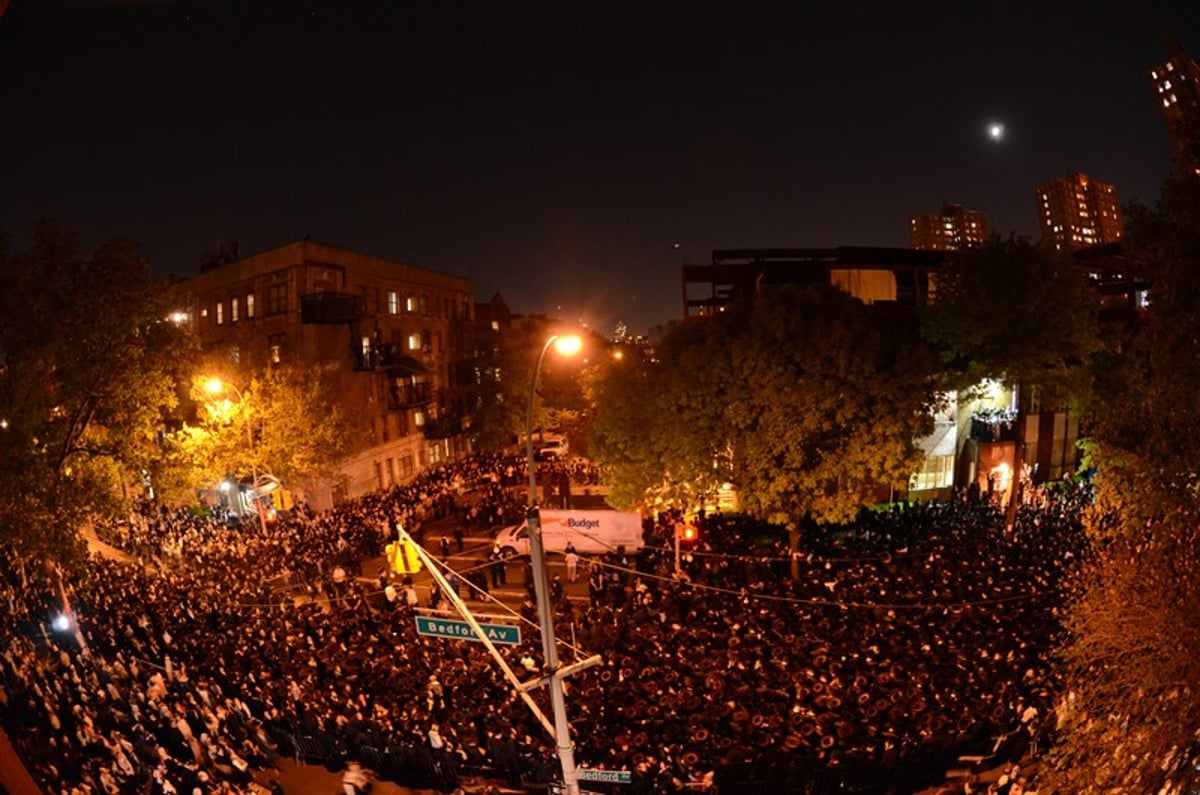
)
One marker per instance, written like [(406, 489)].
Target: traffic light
[(402, 557)]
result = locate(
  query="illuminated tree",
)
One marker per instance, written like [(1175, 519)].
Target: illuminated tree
[(284, 423), (1131, 664), (804, 399), (88, 368)]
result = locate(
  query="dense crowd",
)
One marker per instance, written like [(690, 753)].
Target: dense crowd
[(884, 650)]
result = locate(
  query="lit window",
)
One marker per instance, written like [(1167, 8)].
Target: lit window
[(233, 311), (366, 348), (418, 418), (204, 312), (249, 305), (410, 304), (220, 313), (414, 342), (495, 325), (393, 302)]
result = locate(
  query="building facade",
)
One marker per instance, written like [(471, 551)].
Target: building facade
[(1177, 89), (952, 229), (388, 332), (1077, 212)]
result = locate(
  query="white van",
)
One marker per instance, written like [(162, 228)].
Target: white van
[(591, 532)]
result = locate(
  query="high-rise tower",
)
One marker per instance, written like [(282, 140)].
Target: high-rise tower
[(1077, 212), (954, 228), (1177, 87)]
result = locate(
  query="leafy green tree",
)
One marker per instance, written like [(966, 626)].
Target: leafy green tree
[(1131, 666), (656, 429), (284, 423), (88, 367), (834, 396), (804, 399), (1019, 313)]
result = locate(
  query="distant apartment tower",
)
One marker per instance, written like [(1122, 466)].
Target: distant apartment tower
[(1177, 87), (954, 228), (1077, 212)]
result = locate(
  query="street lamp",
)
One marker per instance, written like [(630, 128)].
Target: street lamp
[(215, 386), (567, 345)]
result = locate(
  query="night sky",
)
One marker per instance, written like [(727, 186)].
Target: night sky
[(568, 159)]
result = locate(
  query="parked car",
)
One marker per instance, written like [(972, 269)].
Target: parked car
[(551, 449)]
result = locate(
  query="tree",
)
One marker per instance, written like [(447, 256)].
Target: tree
[(1018, 313), (498, 398), (834, 396), (1130, 663), (284, 423), (88, 367), (657, 426), (804, 399)]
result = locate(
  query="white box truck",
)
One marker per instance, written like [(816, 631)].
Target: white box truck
[(592, 532)]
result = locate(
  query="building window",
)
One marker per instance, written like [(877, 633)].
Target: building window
[(233, 310), (378, 476), (495, 325), (393, 302), (424, 305), (235, 355), (220, 313), (249, 305), (276, 299), (391, 471), (406, 466), (275, 347), (419, 419), (410, 304), (414, 341), (936, 473)]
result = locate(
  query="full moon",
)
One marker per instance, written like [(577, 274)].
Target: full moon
[(995, 131)]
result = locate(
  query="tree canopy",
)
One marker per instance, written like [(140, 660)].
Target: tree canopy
[(1018, 312), (283, 422), (804, 399), (1130, 666), (88, 367)]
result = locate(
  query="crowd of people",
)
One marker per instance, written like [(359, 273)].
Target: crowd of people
[(878, 654)]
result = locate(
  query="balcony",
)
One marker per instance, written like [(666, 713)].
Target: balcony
[(408, 396), (330, 309), (994, 426)]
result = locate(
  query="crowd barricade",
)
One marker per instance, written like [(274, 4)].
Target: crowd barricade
[(313, 748)]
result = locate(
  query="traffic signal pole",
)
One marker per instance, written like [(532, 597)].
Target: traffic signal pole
[(463, 611)]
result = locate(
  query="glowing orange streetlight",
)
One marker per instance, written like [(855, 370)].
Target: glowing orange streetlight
[(215, 386)]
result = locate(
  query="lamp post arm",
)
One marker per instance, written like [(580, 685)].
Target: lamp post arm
[(537, 366)]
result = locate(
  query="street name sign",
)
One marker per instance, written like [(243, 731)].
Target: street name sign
[(607, 776), (507, 634)]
